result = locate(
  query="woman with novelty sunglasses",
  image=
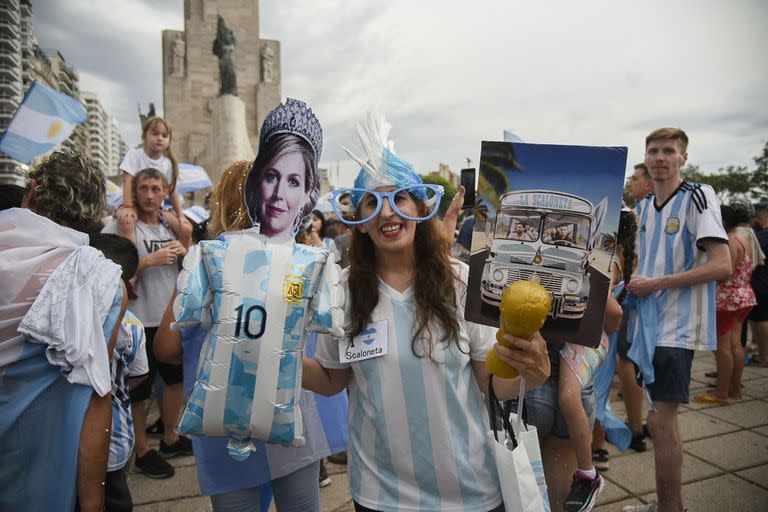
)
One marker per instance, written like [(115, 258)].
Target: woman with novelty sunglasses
[(414, 367)]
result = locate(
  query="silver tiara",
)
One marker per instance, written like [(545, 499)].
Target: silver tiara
[(297, 118)]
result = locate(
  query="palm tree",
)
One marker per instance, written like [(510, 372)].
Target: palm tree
[(497, 159), (609, 241)]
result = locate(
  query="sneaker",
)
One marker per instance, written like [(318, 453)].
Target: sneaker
[(325, 480), (646, 431), (584, 492), (338, 458), (648, 507), (600, 459), (153, 465), (156, 429), (182, 446), (638, 442)]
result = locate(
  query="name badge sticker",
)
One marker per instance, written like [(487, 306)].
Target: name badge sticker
[(373, 341)]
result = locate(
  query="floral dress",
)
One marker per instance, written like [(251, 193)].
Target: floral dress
[(736, 293)]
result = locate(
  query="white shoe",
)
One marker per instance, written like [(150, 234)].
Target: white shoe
[(648, 507)]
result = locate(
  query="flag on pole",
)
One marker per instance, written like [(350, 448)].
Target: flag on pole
[(45, 118), (511, 137), (114, 193)]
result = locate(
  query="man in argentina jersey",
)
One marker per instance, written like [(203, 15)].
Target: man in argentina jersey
[(682, 250)]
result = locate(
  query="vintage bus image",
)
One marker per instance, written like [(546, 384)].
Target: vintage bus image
[(546, 237)]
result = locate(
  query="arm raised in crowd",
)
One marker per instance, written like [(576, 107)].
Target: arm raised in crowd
[(94, 438), (716, 268), (451, 217)]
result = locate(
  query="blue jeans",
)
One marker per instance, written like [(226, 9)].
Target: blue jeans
[(297, 492), (544, 409)]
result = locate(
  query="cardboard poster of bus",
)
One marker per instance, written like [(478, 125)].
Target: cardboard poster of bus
[(547, 214)]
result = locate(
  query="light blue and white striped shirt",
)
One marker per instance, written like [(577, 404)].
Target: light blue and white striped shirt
[(418, 430), (669, 242), (129, 359)]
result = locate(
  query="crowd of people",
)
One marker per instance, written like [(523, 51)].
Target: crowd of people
[(87, 333)]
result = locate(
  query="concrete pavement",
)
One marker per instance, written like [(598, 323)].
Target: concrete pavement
[(725, 461)]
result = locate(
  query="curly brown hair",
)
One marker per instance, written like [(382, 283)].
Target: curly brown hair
[(70, 189), (434, 287)]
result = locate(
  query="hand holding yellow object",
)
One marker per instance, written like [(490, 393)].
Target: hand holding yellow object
[(524, 309)]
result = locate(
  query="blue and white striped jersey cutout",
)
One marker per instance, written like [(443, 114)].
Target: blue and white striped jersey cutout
[(257, 296)]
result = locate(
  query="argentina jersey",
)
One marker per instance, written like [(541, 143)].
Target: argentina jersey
[(417, 429), (129, 359), (669, 242)]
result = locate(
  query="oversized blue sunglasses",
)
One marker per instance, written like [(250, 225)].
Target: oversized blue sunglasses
[(429, 195)]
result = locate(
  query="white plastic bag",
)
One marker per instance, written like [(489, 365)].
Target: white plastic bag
[(518, 459)]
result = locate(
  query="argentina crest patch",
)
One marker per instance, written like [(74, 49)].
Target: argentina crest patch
[(673, 226)]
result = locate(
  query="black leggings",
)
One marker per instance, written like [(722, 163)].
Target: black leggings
[(170, 373)]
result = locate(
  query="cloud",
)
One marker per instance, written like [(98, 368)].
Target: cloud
[(450, 74)]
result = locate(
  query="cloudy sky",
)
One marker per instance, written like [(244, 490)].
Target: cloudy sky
[(451, 73)]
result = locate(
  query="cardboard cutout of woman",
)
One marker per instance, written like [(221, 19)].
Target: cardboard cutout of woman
[(260, 293)]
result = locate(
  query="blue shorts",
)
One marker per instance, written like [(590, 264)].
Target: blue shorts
[(543, 408), (672, 375)]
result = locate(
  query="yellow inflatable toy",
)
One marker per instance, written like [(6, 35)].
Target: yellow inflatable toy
[(524, 309)]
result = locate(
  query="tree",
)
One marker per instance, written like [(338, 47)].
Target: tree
[(628, 200), (732, 182), (496, 159), (450, 190), (690, 173), (760, 175)]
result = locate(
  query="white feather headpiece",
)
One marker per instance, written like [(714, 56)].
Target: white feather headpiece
[(380, 166)]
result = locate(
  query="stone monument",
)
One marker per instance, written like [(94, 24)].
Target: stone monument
[(228, 135), (178, 57), (224, 49), (197, 98)]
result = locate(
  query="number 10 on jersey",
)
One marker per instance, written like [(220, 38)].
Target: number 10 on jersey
[(246, 320)]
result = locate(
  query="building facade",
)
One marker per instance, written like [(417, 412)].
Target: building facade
[(14, 17), (22, 62)]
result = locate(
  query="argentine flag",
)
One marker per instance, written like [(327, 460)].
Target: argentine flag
[(192, 177), (511, 137), (45, 118)]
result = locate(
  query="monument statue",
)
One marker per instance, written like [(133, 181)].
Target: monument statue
[(267, 63), (149, 115), (224, 49), (178, 57)]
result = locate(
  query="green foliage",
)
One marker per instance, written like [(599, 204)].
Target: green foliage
[(450, 190), (493, 181), (626, 197), (729, 182), (760, 175)]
